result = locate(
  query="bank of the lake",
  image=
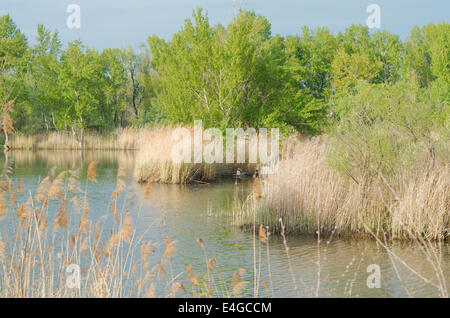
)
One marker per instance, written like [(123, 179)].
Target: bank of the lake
[(153, 248)]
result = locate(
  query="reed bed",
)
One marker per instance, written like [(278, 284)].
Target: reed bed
[(119, 139), (154, 162), (44, 233), (312, 198)]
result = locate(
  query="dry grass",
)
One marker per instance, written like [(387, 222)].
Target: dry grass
[(306, 192), (154, 162), (120, 139), (41, 237), (43, 233)]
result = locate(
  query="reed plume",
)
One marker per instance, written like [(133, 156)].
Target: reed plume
[(61, 217)]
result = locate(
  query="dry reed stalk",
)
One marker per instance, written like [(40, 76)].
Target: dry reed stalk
[(61, 217), (305, 185), (151, 291), (84, 222), (127, 227), (154, 161), (237, 284), (2, 249), (192, 277), (170, 248)]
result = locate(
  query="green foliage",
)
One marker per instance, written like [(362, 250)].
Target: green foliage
[(233, 76), (385, 129), (428, 53), (238, 75)]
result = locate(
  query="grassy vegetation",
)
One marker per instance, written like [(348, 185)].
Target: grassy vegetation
[(41, 236), (119, 139), (383, 168), (309, 196), (44, 232), (155, 164)]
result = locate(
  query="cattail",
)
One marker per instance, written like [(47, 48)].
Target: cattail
[(92, 171), (61, 217)]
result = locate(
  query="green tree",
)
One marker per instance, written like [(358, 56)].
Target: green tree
[(44, 97), (231, 76), (13, 61), (81, 81)]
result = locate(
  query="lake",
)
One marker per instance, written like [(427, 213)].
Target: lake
[(298, 268)]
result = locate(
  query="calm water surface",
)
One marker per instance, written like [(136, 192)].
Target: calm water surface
[(184, 213)]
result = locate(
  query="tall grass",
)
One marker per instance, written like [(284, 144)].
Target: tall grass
[(119, 139), (154, 162), (51, 229), (309, 196), (45, 231)]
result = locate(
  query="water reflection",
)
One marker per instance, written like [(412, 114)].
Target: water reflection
[(184, 213)]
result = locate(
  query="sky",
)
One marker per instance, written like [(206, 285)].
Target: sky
[(117, 23)]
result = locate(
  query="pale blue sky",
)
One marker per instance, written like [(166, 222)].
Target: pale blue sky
[(115, 23)]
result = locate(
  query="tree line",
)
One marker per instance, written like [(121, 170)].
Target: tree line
[(238, 75)]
